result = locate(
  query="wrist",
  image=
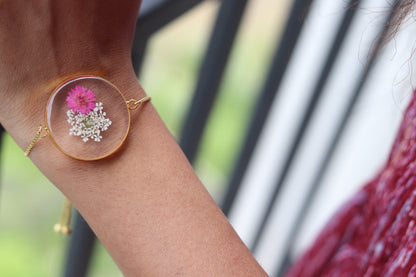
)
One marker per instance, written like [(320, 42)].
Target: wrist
[(23, 121)]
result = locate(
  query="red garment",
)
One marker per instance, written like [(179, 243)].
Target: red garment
[(374, 234)]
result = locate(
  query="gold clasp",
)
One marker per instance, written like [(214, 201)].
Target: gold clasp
[(132, 104)]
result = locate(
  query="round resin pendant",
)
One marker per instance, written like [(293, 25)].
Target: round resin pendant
[(87, 118)]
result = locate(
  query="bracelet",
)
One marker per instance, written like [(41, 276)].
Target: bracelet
[(87, 118)]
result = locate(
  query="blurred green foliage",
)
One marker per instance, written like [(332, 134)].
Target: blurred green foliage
[(30, 204)]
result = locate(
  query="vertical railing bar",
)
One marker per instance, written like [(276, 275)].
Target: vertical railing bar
[(334, 143), (210, 74), (80, 249), (283, 54), (138, 53), (2, 133), (307, 116), (151, 22)]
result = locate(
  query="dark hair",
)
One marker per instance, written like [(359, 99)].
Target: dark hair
[(401, 12)]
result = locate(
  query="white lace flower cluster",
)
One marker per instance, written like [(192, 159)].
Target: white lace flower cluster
[(90, 125)]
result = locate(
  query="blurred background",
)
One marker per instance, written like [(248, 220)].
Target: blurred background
[(30, 204)]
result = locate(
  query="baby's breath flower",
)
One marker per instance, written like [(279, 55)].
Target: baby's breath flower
[(88, 126)]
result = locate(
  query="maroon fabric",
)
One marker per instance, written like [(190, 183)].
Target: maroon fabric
[(374, 234)]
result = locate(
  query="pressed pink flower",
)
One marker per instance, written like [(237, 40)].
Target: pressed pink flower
[(81, 99)]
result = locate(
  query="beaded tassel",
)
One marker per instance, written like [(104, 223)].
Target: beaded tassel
[(62, 227)]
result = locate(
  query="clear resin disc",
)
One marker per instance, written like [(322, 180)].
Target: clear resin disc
[(87, 118)]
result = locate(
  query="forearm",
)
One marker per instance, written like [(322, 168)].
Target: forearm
[(145, 202)]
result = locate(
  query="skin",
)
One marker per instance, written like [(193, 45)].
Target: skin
[(145, 203)]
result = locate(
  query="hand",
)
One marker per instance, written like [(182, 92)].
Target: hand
[(43, 42)]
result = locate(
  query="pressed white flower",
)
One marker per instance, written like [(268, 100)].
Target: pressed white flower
[(89, 126)]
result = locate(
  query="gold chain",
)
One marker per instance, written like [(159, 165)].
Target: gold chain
[(35, 139)]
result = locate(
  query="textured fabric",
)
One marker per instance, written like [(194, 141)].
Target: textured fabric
[(374, 234)]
